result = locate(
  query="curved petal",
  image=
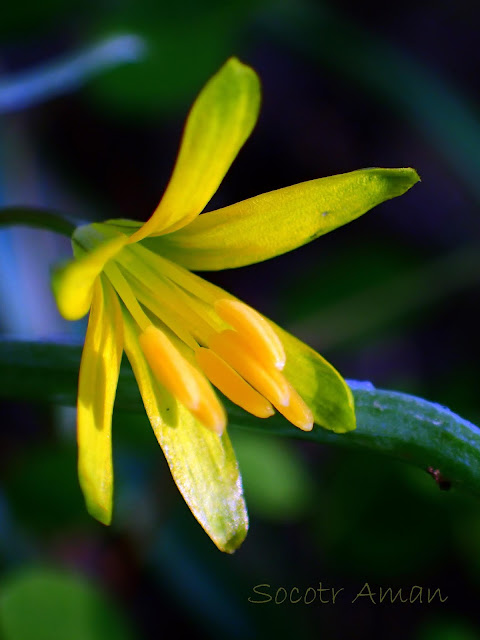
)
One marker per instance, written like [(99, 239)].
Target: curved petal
[(221, 119), (99, 370), (276, 222), (203, 464), (73, 283), (319, 384)]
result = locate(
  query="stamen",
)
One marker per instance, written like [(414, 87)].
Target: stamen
[(230, 346), (297, 412), (163, 311), (210, 412), (232, 385), (126, 294), (262, 339), (173, 296), (170, 367)]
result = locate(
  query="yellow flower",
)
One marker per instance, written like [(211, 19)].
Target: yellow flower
[(182, 334)]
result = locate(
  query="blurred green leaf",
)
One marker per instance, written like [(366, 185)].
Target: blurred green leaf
[(27, 17), (52, 500), (275, 480), (447, 628), (417, 93), (389, 422), (379, 294), (377, 499), (44, 604), (187, 42)]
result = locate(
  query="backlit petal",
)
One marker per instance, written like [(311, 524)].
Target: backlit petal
[(320, 385), (73, 283), (221, 119), (99, 372), (202, 463), (276, 222)]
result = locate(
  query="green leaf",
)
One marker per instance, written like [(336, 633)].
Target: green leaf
[(41, 604), (388, 422), (186, 43), (277, 484)]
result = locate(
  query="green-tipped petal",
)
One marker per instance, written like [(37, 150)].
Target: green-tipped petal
[(73, 282), (99, 370), (221, 119), (320, 385), (203, 464), (276, 222)]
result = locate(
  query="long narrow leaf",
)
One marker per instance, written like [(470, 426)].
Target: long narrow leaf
[(396, 424)]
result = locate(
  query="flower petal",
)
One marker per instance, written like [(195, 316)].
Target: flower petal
[(279, 221), (99, 370), (221, 119), (73, 282), (202, 463), (319, 384)]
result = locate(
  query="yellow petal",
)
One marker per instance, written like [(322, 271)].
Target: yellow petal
[(98, 379), (276, 222), (202, 463), (73, 282), (220, 121)]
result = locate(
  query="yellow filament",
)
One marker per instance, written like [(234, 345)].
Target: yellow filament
[(297, 412), (230, 346), (232, 385), (171, 318), (126, 294), (149, 273), (262, 339), (170, 368), (210, 411)]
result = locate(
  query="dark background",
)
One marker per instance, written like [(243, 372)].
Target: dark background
[(391, 298)]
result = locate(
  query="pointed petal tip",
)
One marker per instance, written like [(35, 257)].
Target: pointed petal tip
[(396, 182), (344, 427), (234, 542), (237, 65), (218, 426), (101, 513), (410, 175)]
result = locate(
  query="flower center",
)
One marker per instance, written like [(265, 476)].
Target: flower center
[(192, 335)]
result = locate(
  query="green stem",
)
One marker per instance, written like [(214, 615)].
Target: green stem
[(391, 423), (37, 218)]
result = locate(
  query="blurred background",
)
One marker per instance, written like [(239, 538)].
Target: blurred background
[(93, 96)]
